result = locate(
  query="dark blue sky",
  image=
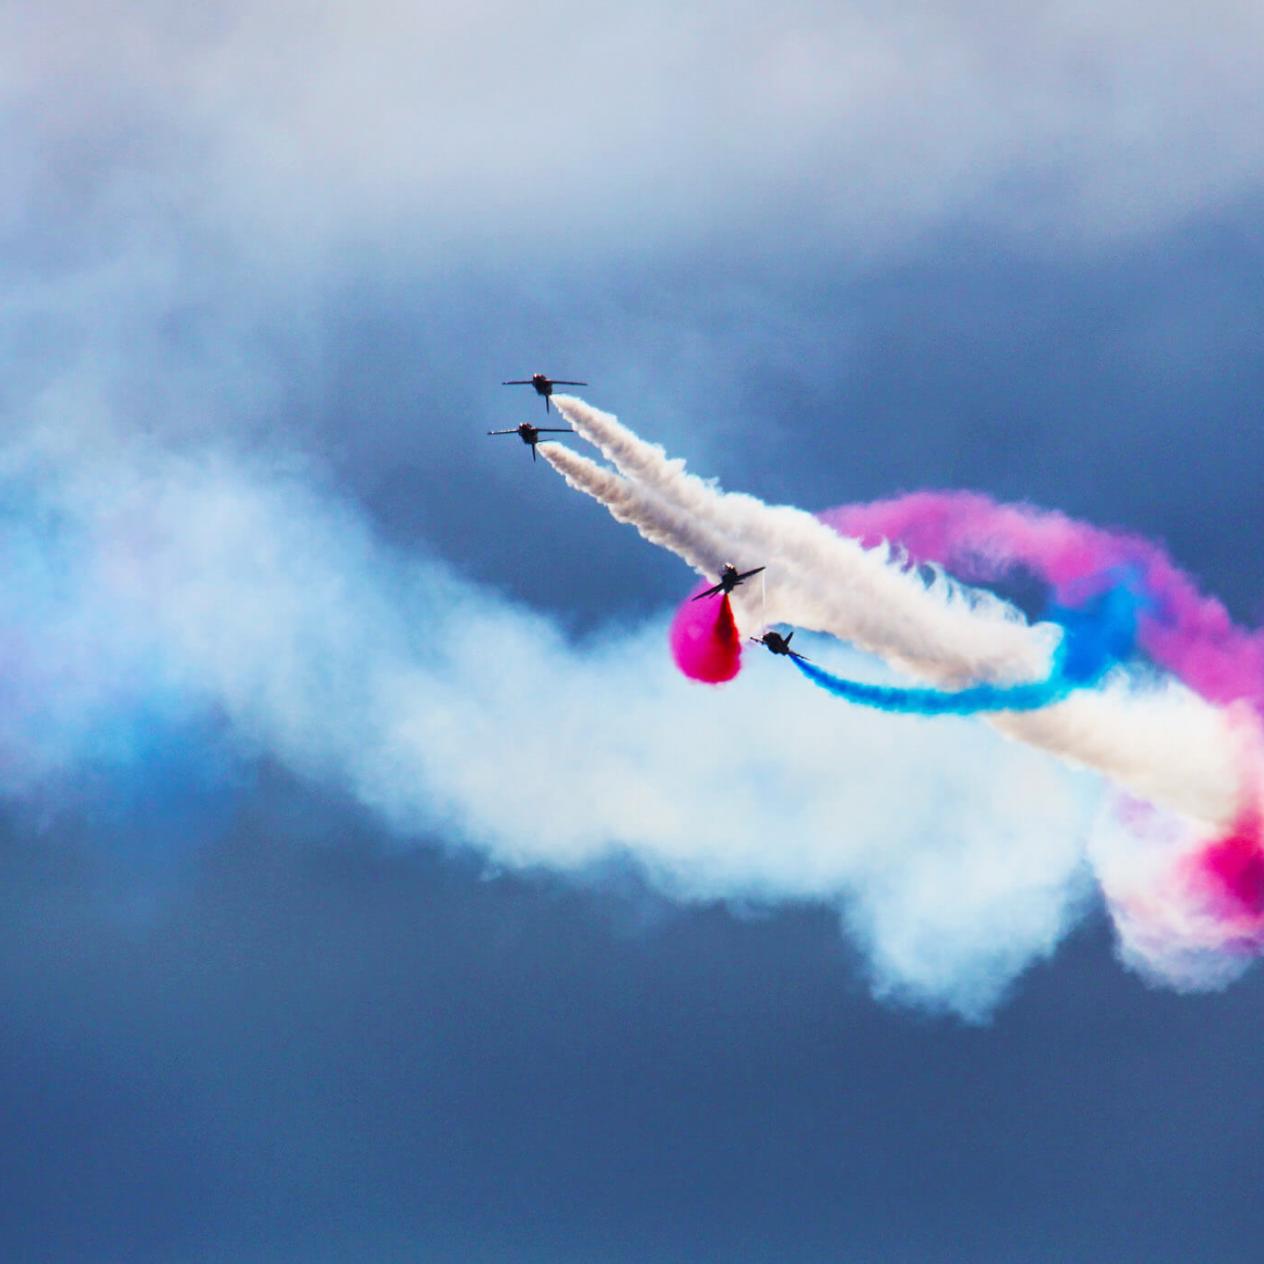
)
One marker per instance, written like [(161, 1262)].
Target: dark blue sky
[(244, 1020)]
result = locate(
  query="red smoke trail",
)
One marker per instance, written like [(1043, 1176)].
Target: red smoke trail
[(704, 640)]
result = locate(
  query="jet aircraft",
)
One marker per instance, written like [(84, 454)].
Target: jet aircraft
[(530, 434), (779, 644), (729, 579), (543, 385)]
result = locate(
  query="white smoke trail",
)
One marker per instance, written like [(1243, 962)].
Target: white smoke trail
[(661, 522), (1160, 741), (232, 589)]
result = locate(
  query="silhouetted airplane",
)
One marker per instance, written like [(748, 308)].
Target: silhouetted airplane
[(729, 579), (779, 644), (543, 385), (530, 434)]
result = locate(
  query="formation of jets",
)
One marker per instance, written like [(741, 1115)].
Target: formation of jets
[(543, 384), (730, 576)]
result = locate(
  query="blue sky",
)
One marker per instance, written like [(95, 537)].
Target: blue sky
[(278, 988)]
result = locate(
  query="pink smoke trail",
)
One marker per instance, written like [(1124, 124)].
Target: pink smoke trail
[(704, 639), (976, 539)]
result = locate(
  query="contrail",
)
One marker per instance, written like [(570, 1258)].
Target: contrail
[(1155, 738)]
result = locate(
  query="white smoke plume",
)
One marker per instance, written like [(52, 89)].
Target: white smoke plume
[(161, 596), (1157, 739)]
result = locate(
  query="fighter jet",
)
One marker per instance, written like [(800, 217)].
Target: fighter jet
[(729, 579), (779, 644), (530, 434), (543, 385)]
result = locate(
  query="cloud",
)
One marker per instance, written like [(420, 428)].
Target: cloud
[(226, 593), (504, 124)]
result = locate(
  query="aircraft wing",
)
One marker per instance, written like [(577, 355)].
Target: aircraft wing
[(711, 592), (492, 432), (553, 430), (748, 574), (519, 381), (561, 381)]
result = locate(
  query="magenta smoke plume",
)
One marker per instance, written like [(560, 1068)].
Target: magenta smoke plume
[(704, 639)]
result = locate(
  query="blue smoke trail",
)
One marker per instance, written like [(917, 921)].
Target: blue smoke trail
[(1096, 635)]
